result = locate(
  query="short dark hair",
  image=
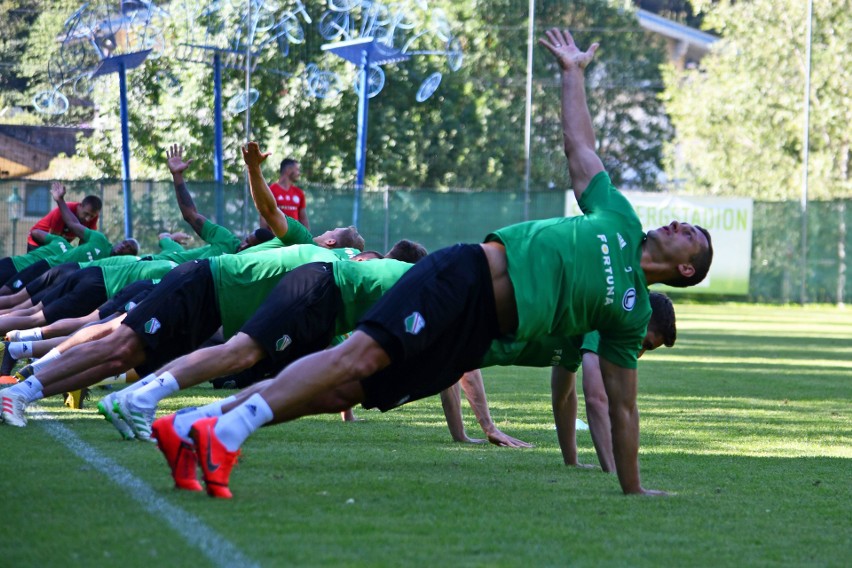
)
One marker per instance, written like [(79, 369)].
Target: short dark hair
[(700, 261), (407, 251), (350, 237), (286, 163), (93, 201), (262, 235), (662, 318), (368, 255)]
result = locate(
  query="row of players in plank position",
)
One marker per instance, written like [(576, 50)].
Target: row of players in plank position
[(542, 293)]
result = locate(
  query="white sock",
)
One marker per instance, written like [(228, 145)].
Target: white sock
[(155, 391), (33, 334), (138, 384), (18, 349), (235, 426), (31, 389), (47, 360), (185, 418)]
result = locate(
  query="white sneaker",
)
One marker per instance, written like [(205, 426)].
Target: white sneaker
[(140, 419), (105, 409), (14, 405)]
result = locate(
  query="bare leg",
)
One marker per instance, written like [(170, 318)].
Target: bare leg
[(84, 365), (67, 326), (10, 322), (322, 376), (13, 300), (239, 353)]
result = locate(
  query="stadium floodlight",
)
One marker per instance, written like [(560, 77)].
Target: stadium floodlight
[(366, 53)]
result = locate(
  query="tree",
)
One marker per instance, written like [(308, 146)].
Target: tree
[(739, 119), (468, 134)]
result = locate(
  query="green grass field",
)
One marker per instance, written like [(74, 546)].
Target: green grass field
[(748, 421)]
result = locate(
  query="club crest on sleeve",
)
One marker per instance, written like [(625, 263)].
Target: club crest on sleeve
[(414, 323), (283, 343), (152, 326)]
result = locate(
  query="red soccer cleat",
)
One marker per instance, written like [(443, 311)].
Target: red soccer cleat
[(179, 455), (216, 461)]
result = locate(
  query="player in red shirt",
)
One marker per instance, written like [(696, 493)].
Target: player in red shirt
[(289, 198), (86, 211)]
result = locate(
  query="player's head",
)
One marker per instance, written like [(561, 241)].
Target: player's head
[(341, 237), (89, 208), (685, 249), (255, 238), (125, 247), (368, 255), (661, 329), (290, 168), (407, 251)]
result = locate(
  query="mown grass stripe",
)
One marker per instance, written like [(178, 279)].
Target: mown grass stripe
[(218, 550)]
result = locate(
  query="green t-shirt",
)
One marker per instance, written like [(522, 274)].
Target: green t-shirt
[(117, 277), (169, 244), (112, 261), (243, 281), (54, 246), (93, 245), (219, 241), (296, 234), (361, 284), (591, 342), (548, 351), (578, 274)]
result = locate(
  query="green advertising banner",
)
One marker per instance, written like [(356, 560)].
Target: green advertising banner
[(729, 221)]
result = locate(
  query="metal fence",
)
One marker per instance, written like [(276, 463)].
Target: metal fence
[(440, 218)]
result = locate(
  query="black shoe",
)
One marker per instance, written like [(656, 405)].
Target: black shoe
[(8, 362)]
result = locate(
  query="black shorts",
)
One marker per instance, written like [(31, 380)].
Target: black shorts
[(48, 278), (436, 323), (77, 296), (7, 270), (298, 316), (126, 299), (177, 316), (27, 275)]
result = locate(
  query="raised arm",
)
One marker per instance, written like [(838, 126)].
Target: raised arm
[(260, 193), (474, 390), (577, 131), (39, 236), (57, 190), (177, 165), (621, 388)]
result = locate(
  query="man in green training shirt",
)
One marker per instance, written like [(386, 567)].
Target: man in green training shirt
[(554, 277), (189, 305), (93, 245)]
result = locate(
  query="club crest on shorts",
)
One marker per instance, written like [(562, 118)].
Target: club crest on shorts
[(414, 323), (283, 343), (629, 300), (152, 326)]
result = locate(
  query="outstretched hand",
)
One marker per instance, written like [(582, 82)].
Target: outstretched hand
[(499, 438), (57, 190), (561, 44), (176, 162), (252, 154)]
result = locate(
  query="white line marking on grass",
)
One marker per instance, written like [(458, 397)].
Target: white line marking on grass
[(209, 542)]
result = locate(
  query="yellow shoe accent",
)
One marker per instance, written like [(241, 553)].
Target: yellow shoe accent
[(74, 399)]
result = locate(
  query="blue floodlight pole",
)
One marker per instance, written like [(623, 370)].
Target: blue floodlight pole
[(218, 166), (121, 64), (361, 148), (363, 52), (125, 151)]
